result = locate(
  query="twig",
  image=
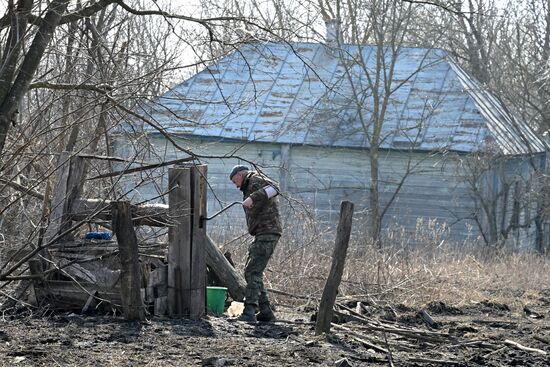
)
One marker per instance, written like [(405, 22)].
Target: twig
[(142, 168), (438, 361), (292, 295), (524, 348)]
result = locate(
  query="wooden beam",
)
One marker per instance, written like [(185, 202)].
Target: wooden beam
[(130, 274), (343, 232), (227, 274), (154, 215), (179, 237)]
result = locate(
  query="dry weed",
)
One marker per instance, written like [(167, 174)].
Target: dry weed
[(401, 272)]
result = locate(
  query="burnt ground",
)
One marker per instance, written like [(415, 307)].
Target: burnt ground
[(477, 334)]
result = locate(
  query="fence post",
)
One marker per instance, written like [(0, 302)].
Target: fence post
[(343, 232), (130, 274), (187, 237)]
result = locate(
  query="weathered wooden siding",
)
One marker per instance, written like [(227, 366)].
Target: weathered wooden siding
[(322, 177), (509, 187)]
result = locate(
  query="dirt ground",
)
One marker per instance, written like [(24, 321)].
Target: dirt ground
[(483, 333)]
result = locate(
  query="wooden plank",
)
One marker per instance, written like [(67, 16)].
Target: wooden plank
[(198, 239), (343, 232), (72, 295), (130, 275), (161, 306), (179, 237), (90, 303), (157, 284)]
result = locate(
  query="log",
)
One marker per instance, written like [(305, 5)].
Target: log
[(227, 274), (130, 274), (328, 298), (154, 215)]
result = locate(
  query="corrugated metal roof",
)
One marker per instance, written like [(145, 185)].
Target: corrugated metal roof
[(301, 93)]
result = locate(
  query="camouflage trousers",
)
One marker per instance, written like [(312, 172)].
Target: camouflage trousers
[(259, 253)]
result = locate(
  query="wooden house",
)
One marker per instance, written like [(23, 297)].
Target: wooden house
[(305, 114)]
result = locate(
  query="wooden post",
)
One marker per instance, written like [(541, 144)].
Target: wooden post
[(186, 254), (187, 237), (130, 279), (343, 232), (179, 237), (197, 287)]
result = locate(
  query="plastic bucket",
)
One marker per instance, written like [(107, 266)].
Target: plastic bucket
[(215, 299)]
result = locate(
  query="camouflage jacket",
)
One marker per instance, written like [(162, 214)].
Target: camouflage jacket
[(263, 217)]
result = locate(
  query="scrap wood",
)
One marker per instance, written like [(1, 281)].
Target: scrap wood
[(411, 333), (524, 348), (491, 321), (475, 343), (427, 318), (360, 338), (437, 361)]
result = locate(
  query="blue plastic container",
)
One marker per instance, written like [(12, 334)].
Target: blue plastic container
[(99, 236)]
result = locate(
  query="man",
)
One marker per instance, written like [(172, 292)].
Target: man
[(261, 209)]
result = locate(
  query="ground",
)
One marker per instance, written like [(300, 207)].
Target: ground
[(477, 334)]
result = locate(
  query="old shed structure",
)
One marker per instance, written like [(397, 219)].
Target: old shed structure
[(306, 112)]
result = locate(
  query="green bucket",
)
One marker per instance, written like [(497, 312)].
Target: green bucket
[(215, 299)]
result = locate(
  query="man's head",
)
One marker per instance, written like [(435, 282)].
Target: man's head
[(237, 175)]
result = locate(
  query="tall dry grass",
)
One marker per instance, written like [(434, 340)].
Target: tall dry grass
[(429, 270)]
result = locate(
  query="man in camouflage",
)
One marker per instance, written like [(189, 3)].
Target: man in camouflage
[(262, 218)]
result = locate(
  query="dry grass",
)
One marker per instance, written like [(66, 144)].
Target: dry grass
[(400, 273)]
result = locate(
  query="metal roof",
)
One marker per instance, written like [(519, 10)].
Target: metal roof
[(308, 93)]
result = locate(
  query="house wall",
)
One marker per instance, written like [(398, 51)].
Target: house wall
[(510, 187), (315, 180)]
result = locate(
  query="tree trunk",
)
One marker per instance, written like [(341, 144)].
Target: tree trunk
[(374, 200), (10, 102)]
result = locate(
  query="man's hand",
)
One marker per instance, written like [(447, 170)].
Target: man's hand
[(248, 203)]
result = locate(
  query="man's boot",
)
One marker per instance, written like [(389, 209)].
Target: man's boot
[(249, 313), (266, 314)]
